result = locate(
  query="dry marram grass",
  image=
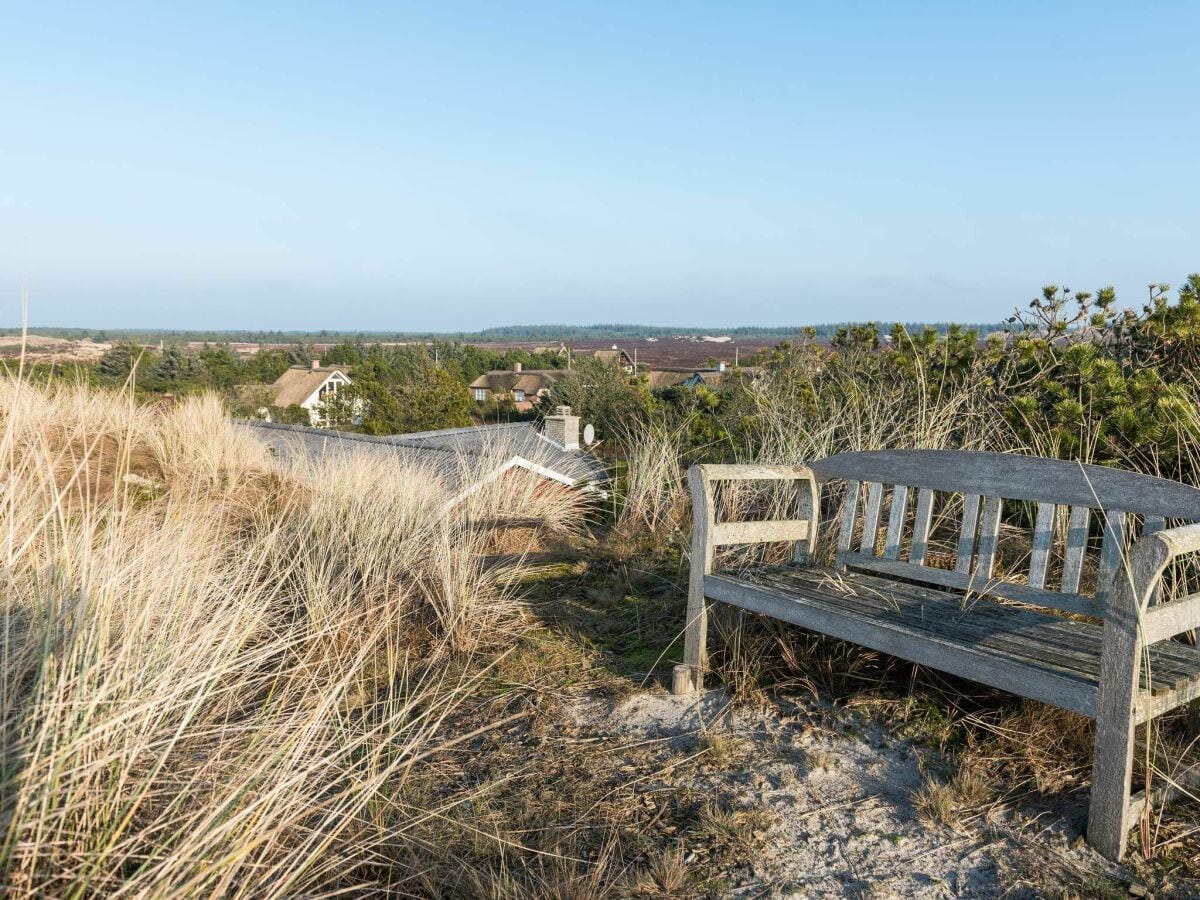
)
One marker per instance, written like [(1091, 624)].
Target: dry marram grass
[(218, 675)]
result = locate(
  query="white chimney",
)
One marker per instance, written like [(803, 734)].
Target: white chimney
[(563, 428), (516, 367), (315, 364), (720, 367)]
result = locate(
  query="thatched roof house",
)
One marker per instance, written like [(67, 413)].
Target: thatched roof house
[(309, 387)]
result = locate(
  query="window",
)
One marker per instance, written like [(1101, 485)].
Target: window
[(480, 394), (519, 396)]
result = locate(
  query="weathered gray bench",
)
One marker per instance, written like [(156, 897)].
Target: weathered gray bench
[(1118, 665)]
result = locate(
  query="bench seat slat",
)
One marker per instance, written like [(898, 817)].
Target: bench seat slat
[(1023, 633), (973, 622), (941, 652), (1029, 653), (1182, 657)]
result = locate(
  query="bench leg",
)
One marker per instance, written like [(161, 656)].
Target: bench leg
[(1112, 772), (1112, 754), (689, 677), (1193, 720)]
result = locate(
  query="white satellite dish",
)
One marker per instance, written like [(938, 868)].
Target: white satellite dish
[(589, 434)]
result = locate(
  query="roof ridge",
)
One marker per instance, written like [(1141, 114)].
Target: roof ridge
[(523, 371), (463, 429), (579, 466), (334, 433)]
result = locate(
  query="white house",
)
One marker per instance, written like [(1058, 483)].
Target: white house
[(310, 388)]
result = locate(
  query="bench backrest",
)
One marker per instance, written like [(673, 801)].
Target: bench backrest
[(1126, 503)]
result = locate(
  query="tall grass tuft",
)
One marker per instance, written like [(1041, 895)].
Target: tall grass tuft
[(654, 499), (219, 676)]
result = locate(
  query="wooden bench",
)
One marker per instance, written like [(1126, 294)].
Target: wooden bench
[(1113, 661)]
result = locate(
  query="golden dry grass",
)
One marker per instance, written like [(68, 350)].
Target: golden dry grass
[(218, 676)]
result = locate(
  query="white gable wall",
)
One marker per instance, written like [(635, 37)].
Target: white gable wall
[(313, 402)]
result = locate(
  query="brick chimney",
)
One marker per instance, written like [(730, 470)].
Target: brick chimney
[(563, 428), (315, 364), (516, 367)]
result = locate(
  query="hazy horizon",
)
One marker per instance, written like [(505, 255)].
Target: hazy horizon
[(602, 329), (399, 167)]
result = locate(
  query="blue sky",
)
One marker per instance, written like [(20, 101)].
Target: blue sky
[(454, 166)]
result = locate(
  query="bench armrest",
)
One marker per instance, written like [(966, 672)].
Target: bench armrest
[(1135, 585), (1166, 620), (754, 472), (707, 533), (1177, 541)]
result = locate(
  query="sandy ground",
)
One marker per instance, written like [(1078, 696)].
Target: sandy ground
[(839, 804)]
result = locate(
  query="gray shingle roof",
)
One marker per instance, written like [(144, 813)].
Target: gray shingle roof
[(518, 438), (447, 454), (290, 441)]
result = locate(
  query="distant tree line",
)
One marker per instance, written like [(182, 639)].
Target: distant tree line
[(548, 333)]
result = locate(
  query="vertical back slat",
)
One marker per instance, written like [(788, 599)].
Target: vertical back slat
[(989, 532), (920, 542), (1077, 535), (1153, 525), (871, 518), (895, 529), (1111, 553), (966, 537), (849, 514), (1043, 540)]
